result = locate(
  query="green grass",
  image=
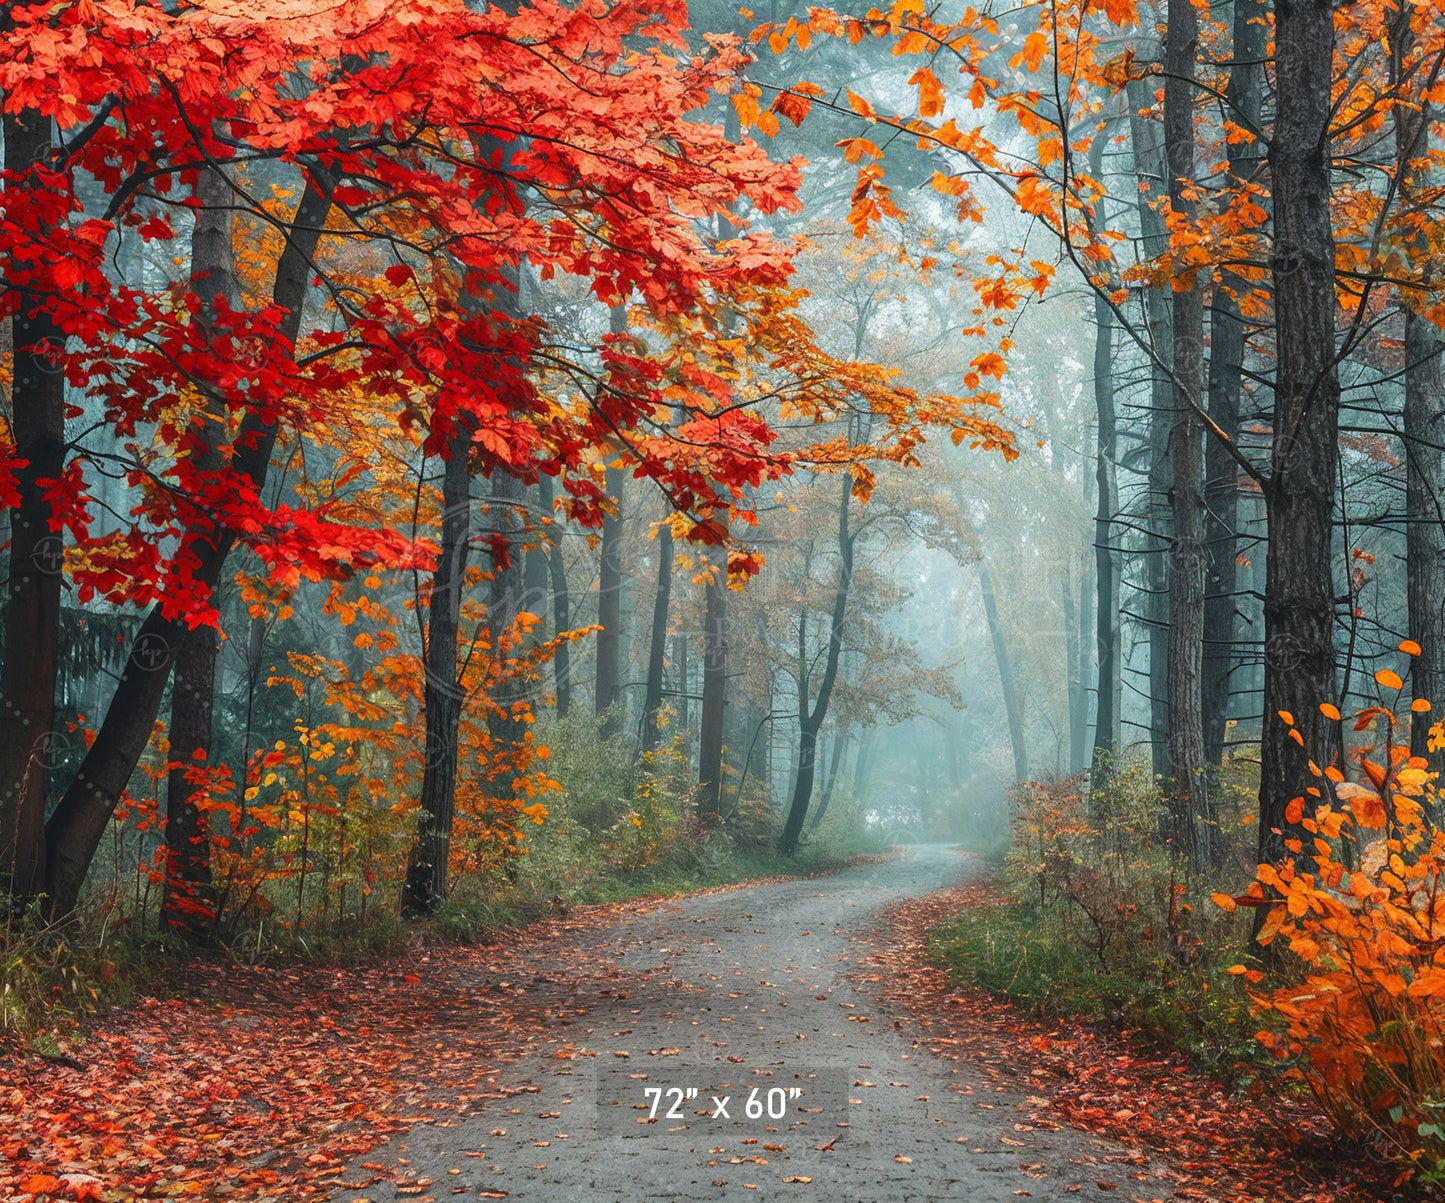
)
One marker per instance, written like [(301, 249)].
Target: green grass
[(1013, 952)]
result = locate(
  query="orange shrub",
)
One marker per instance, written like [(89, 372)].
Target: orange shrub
[(1363, 910)]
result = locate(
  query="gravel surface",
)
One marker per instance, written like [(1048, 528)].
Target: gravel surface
[(717, 992)]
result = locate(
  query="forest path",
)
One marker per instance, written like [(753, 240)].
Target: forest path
[(701, 991)]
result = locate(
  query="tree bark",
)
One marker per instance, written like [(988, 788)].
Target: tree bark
[(609, 606), (657, 646), (188, 906), (714, 693), (1152, 171), (1424, 422), (561, 609), (840, 743), (1106, 571), (74, 829), (33, 577), (507, 687), (1005, 674), (1424, 428), (811, 719), (1226, 384), (443, 694), (1188, 792), (1299, 659)]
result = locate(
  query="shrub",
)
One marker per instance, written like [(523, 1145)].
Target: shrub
[(1362, 908)]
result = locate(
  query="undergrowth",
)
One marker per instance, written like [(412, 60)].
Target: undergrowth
[(1099, 922), (620, 826)]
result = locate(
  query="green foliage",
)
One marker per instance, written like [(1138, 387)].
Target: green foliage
[(1101, 922), (54, 975), (625, 826)]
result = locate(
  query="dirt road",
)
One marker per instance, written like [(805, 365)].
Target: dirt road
[(726, 993)]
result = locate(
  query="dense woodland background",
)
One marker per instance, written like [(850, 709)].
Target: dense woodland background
[(457, 462)]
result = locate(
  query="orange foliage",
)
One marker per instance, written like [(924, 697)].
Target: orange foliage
[(1362, 907)]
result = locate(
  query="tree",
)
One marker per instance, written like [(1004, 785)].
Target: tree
[(1188, 784), (813, 707), (393, 167)]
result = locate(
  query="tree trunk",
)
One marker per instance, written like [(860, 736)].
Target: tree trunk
[(507, 685), (33, 577), (1424, 430), (840, 742), (810, 720), (1226, 383), (188, 906), (1106, 572), (863, 766), (657, 647), (1005, 674), (1074, 663), (1152, 173), (1299, 658), (561, 609), (714, 693), (609, 606), (1424, 490), (443, 694), (681, 674), (74, 829), (1188, 794), (1079, 740)]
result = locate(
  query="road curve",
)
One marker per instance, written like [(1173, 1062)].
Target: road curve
[(711, 989)]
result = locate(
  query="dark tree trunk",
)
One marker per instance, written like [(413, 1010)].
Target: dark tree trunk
[(1106, 571), (536, 580), (714, 694), (1152, 172), (1226, 377), (609, 605), (1424, 429), (443, 694), (33, 579), (1188, 792), (74, 829), (811, 719), (1299, 650), (1424, 496), (1005, 674), (681, 643), (507, 686), (188, 905), (1074, 666), (561, 608), (657, 646)]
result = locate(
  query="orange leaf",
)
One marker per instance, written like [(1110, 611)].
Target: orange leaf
[(1410, 647), (1295, 810), (1389, 679), (1420, 706), (1330, 712)]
